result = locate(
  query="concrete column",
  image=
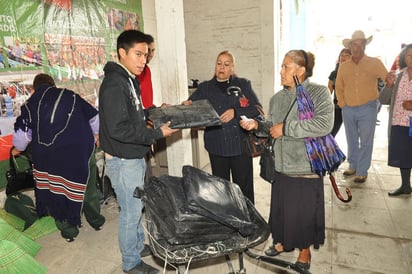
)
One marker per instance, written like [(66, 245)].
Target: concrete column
[(171, 47)]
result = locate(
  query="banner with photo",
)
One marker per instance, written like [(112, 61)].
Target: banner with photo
[(69, 39)]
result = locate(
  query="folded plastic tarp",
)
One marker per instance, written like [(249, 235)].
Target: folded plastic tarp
[(199, 114)]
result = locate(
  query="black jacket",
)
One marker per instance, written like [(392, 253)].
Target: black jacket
[(123, 132)]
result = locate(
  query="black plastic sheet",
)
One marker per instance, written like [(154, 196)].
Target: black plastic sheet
[(199, 114), (173, 223), (199, 216)]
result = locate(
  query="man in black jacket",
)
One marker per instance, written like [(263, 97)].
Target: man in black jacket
[(126, 139)]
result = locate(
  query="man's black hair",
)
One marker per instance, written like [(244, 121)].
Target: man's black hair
[(128, 38), (149, 39)]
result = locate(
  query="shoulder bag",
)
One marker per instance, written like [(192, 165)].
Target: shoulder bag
[(20, 175), (267, 159)]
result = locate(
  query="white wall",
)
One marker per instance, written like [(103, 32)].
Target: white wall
[(202, 29), (244, 27)]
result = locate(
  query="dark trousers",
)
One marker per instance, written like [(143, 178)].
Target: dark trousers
[(338, 121), (91, 203), (241, 169)]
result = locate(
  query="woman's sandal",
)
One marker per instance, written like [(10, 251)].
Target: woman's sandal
[(272, 251)]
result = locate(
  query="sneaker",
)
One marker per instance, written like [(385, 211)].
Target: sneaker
[(360, 179), (146, 251), (349, 172), (143, 268)]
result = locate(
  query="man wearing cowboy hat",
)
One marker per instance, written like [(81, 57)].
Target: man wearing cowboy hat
[(357, 93)]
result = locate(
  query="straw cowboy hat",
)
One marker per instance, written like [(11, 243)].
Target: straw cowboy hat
[(357, 35)]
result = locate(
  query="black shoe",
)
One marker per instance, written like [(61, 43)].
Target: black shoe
[(400, 191), (143, 268), (272, 251), (69, 240), (302, 266), (100, 224), (146, 251)]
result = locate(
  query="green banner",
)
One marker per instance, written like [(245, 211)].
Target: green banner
[(70, 39)]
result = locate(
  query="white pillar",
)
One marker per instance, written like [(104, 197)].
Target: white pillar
[(171, 47)]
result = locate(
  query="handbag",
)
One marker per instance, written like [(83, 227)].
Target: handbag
[(19, 179), (267, 159), (253, 145), (267, 162)]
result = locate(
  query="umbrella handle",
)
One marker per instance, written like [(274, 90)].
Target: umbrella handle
[(336, 189)]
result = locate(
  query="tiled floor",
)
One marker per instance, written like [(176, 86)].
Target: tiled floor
[(371, 234)]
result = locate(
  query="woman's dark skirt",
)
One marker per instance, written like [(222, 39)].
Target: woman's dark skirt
[(297, 212), (400, 147)]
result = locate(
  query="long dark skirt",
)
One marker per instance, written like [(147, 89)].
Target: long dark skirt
[(297, 212), (400, 147)]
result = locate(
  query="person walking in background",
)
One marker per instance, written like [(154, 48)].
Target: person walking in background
[(357, 91), (395, 64), (398, 94), (231, 97), (59, 125), (344, 55), (125, 139), (297, 206)]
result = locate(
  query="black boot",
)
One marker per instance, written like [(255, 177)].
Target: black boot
[(406, 183)]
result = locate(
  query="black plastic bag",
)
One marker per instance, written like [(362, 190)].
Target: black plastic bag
[(171, 222), (186, 225), (199, 114)]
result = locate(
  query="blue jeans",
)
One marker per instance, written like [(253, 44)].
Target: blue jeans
[(360, 123), (125, 175)]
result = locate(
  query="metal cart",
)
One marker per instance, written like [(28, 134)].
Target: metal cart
[(179, 252)]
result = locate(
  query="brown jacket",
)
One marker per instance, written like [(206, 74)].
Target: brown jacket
[(357, 84)]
